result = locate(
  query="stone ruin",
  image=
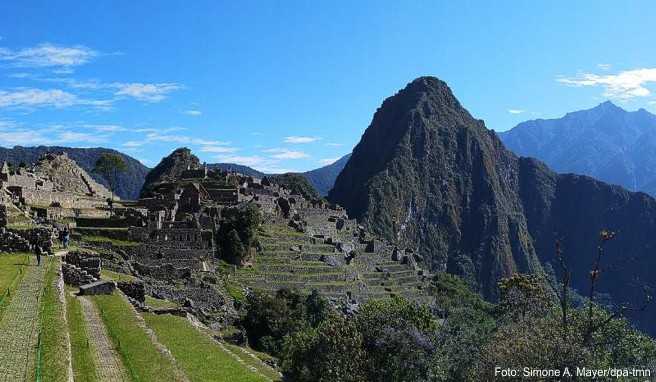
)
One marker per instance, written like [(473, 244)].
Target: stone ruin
[(81, 267), (54, 188), (3, 216)]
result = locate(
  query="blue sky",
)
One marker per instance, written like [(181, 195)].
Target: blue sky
[(287, 85)]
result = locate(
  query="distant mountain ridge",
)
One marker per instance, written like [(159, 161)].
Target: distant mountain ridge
[(429, 176), (605, 142), (129, 182), (322, 179)]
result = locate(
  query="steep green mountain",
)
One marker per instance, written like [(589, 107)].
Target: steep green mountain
[(324, 177), (129, 183), (606, 142), (429, 175)]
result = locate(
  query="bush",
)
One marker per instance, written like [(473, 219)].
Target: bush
[(332, 352), (270, 319)]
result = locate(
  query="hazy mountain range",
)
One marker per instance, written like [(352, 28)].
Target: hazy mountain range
[(606, 142)]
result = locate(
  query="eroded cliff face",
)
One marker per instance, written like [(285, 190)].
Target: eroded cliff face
[(427, 174)]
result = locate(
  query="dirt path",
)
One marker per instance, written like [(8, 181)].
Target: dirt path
[(109, 366), (19, 328)]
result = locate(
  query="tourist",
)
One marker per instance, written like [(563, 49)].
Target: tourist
[(38, 251), (66, 237)]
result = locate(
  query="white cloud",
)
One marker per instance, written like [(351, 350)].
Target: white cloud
[(12, 134), (516, 111), (286, 154), (333, 144), (219, 149), (604, 66), (300, 140), (48, 55), (133, 144), (145, 92), (193, 113), (106, 128), (182, 139), (70, 136), (328, 161), (34, 98), (623, 85)]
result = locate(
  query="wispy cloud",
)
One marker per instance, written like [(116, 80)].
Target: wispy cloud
[(34, 98), (193, 113), (516, 111), (219, 149), (623, 85), (300, 140), (106, 128), (604, 66), (278, 153), (146, 92), (17, 135), (182, 139), (133, 144), (334, 144), (48, 55)]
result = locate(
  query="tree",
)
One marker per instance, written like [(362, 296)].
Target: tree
[(330, 353), (109, 165), (238, 232), (400, 341)]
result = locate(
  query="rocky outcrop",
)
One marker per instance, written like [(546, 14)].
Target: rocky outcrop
[(170, 169)]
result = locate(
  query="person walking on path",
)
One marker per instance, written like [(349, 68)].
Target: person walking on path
[(38, 251), (66, 237)]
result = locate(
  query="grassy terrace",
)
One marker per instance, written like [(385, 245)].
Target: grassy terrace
[(201, 357), (157, 303), (116, 276), (140, 357), (84, 369), (103, 239), (54, 351), (12, 269)]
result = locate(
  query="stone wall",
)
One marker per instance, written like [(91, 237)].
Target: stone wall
[(162, 272), (3, 216), (12, 242)]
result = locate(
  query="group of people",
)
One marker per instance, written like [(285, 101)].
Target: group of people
[(64, 239)]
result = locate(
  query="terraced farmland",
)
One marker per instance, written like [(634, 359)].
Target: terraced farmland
[(292, 260)]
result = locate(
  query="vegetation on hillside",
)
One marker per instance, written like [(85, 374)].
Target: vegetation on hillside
[(237, 235), (297, 184), (398, 340)]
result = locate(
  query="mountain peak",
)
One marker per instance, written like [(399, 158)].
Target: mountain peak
[(608, 106)]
